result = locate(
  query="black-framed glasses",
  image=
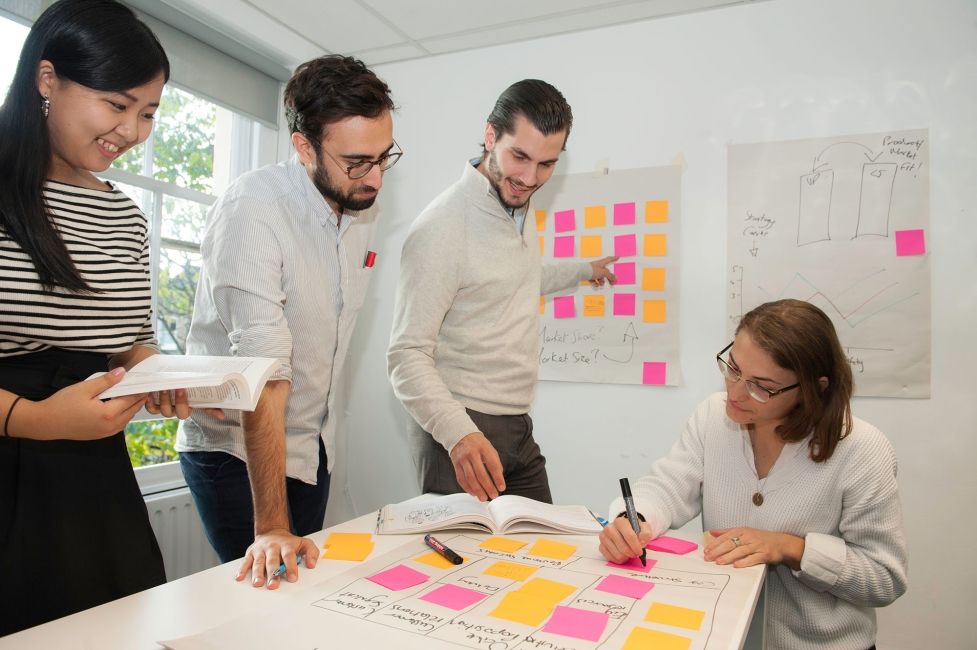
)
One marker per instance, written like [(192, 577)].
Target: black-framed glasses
[(755, 390), (362, 168)]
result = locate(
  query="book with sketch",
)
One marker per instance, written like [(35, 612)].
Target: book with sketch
[(506, 514), (211, 382)]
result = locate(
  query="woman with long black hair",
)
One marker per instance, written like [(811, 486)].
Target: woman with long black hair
[(74, 300)]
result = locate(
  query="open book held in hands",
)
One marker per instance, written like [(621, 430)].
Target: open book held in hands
[(211, 382), (506, 514)]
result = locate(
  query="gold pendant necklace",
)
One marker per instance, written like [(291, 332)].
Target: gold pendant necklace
[(758, 499)]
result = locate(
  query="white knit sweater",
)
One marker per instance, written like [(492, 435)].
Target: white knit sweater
[(846, 508)]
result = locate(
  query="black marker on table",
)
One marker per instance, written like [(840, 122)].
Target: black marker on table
[(443, 550), (632, 515)]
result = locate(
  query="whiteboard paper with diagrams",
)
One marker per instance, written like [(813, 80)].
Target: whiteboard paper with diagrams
[(843, 223)]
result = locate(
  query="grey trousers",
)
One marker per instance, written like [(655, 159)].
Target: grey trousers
[(523, 466)]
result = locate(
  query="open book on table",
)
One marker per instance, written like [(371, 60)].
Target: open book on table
[(211, 382), (506, 514)]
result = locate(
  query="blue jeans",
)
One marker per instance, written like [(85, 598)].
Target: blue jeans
[(219, 484)]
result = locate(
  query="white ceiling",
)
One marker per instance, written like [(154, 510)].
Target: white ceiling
[(284, 33)]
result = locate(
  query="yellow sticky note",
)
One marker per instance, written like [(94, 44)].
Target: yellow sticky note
[(522, 608), (546, 590), (594, 216), (437, 561), (656, 211), (349, 551), (542, 305), (510, 570), (551, 549), (503, 544), (654, 311), (642, 638), (591, 246), (656, 245), (593, 305), (542, 245), (653, 279), (690, 619), (541, 220), (347, 538)]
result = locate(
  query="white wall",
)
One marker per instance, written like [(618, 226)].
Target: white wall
[(682, 89)]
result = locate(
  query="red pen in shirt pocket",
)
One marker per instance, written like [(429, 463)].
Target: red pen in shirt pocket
[(371, 259)]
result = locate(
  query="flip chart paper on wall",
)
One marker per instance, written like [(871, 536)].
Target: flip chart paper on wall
[(819, 220), (577, 623), (609, 338)]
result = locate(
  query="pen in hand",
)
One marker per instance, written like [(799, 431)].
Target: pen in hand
[(632, 515), (281, 568)]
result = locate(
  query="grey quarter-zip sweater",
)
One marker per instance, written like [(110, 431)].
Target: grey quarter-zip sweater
[(465, 331)]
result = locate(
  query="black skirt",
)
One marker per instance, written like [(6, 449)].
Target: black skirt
[(74, 532)]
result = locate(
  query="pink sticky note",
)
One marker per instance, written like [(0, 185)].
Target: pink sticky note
[(674, 545), (625, 272), (634, 564), (564, 220), (563, 307), (653, 373), (910, 242), (623, 214), (453, 597), (399, 577), (577, 623), (624, 304), (563, 246), (626, 245), (623, 586)]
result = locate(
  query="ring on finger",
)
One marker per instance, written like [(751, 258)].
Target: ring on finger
[(736, 541)]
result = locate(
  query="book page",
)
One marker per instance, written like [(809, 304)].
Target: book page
[(201, 364), (511, 508), (430, 513)]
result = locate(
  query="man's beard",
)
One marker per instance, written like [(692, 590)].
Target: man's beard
[(346, 202), (495, 180)]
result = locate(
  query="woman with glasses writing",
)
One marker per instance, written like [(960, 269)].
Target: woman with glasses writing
[(784, 475)]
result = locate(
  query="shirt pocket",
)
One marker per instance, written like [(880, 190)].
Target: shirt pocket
[(356, 288)]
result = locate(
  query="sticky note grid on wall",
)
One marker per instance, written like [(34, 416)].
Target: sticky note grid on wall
[(627, 332)]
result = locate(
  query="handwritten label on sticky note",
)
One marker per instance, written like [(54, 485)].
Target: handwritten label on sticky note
[(656, 245), (624, 304), (563, 307), (641, 638), (654, 311), (565, 221), (634, 564), (624, 272), (910, 242), (624, 586), (453, 597), (591, 246), (690, 619), (577, 623), (593, 305), (502, 544), (510, 570), (653, 279), (623, 214), (672, 545), (653, 373), (626, 245), (594, 216), (563, 246), (398, 578), (656, 211)]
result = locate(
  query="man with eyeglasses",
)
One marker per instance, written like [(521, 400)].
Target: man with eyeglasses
[(286, 263)]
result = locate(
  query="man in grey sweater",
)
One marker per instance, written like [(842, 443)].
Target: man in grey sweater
[(463, 354)]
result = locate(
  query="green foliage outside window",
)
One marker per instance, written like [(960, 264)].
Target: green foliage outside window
[(150, 442)]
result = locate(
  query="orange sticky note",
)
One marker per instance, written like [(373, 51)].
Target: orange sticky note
[(522, 608), (349, 551), (549, 548), (653, 279), (542, 305), (655, 245), (542, 245), (547, 591), (654, 311), (591, 246), (642, 638), (541, 220), (656, 211), (347, 538), (593, 305), (503, 544), (594, 216), (690, 619), (510, 570)]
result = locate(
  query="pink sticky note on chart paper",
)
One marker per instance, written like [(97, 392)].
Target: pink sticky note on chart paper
[(625, 586), (563, 246), (634, 564), (625, 272), (624, 304), (563, 307), (910, 242), (653, 373), (674, 545), (626, 245), (577, 623), (623, 214), (564, 220), (453, 597), (399, 577)]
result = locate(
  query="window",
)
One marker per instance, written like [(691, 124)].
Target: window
[(174, 177), (12, 36)]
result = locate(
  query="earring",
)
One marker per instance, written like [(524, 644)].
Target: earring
[(46, 106)]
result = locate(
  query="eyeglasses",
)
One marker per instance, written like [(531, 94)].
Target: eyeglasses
[(362, 168), (755, 390)]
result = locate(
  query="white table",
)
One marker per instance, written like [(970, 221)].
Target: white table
[(210, 598)]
